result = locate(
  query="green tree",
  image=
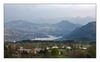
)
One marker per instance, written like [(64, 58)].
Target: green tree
[(55, 52), (92, 51)]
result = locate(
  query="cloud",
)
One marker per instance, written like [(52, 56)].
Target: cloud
[(47, 11)]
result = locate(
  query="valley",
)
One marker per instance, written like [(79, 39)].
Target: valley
[(45, 30)]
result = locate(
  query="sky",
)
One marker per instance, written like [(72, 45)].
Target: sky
[(47, 13)]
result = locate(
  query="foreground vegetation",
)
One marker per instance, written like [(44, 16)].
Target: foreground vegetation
[(50, 49)]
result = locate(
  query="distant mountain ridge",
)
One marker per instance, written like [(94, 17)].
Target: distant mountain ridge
[(20, 30), (86, 32)]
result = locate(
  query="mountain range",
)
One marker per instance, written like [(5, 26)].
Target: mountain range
[(23, 30)]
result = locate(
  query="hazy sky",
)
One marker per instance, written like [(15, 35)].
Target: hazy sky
[(45, 13)]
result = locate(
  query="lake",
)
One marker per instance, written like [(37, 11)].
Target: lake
[(50, 37)]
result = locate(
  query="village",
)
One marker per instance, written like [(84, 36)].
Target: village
[(46, 50)]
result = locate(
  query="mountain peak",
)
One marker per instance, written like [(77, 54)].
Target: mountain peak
[(65, 21)]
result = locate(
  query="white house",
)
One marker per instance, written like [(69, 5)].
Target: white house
[(55, 47), (68, 47)]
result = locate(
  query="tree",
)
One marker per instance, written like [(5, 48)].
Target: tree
[(55, 52), (92, 51)]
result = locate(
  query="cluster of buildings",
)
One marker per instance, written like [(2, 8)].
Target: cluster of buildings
[(36, 50)]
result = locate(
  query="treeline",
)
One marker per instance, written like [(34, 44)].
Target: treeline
[(56, 41)]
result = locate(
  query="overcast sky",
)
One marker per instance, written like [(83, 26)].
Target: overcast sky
[(46, 12)]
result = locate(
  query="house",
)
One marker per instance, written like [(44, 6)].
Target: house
[(83, 48), (47, 48), (63, 47), (21, 49), (33, 51), (68, 47), (54, 46), (37, 49)]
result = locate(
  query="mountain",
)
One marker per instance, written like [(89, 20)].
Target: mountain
[(64, 27), (21, 25), (80, 20), (66, 24), (86, 32), (21, 30)]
